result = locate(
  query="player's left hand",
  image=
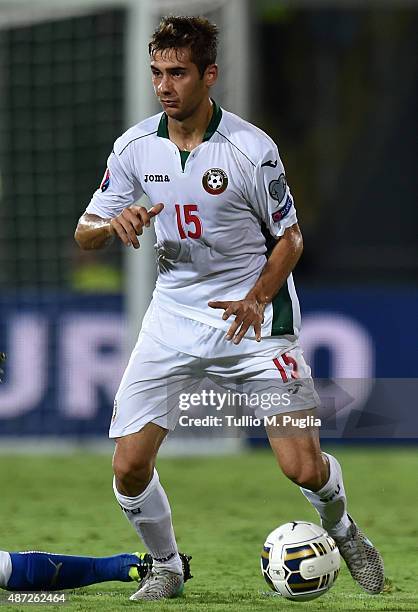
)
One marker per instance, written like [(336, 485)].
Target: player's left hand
[(248, 312)]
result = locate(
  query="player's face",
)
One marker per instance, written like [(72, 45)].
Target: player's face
[(178, 84)]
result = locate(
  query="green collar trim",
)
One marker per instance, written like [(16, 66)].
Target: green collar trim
[(162, 131), (214, 122), (184, 155), (210, 130)]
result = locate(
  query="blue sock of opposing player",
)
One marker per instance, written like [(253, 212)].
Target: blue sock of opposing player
[(37, 571)]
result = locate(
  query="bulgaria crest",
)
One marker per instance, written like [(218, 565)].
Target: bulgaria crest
[(215, 181)]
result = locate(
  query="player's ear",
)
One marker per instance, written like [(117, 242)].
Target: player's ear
[(211, 75)]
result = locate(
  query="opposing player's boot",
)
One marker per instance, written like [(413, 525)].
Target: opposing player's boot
[(161, 584), (140, 571), (362, 558)]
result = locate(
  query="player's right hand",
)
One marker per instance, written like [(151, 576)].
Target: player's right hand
[(128, 225)]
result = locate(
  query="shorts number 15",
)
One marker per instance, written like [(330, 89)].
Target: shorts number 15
[(188, 222)]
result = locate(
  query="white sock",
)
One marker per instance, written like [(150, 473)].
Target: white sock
[(5, 568), (150, 514), (330, 502)]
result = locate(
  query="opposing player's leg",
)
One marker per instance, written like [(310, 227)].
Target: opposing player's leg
[(319, 476), (44, 571), (33, 571)]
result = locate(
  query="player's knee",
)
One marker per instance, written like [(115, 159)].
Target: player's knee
[(132, 473)]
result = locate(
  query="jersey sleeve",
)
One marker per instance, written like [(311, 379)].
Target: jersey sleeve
[(271, 197), (118, 189)]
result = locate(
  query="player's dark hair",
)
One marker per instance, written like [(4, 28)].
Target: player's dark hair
[(196, 33)]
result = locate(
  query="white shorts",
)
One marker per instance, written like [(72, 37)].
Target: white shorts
[(175, 356)]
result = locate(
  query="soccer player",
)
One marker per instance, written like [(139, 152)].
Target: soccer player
[(220, 308), (43, 571)]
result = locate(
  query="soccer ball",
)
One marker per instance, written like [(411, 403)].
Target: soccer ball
[(300, 561)]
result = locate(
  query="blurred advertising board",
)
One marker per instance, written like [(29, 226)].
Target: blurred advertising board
[(67, 352)]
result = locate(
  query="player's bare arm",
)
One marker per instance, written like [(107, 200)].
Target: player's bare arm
[(250, 310), (94, 232), (280, 264)]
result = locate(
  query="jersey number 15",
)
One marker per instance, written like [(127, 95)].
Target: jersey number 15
[(186, 216)]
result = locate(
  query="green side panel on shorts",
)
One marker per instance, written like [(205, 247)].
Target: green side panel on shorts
[(282, 313)]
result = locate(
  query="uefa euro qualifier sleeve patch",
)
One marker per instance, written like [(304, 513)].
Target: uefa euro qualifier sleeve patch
[(105, 181), (277, 188), (279, 214), (215, 181)]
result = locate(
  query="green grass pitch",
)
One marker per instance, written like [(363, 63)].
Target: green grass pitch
[(223, 508)]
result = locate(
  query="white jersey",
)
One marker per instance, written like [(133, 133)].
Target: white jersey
[(221, 202)]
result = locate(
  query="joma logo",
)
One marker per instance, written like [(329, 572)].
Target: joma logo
[(157, 178)]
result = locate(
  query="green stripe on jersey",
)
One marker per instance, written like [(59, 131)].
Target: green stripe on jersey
[(282, 322)]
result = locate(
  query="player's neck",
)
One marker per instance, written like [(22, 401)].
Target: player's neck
[(188, 134)]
